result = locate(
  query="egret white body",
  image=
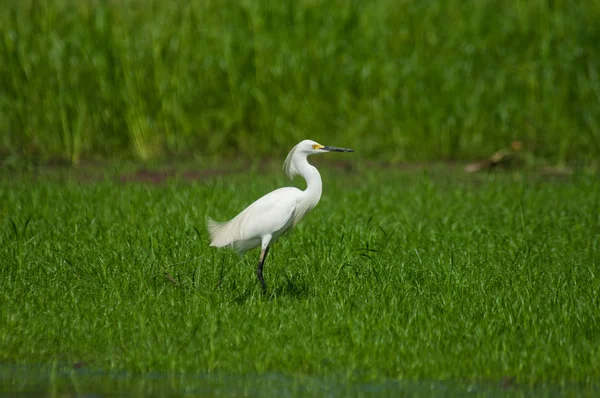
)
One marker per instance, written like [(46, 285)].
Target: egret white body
[(265, 220)]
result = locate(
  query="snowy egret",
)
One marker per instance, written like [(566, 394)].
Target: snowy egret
[(265, 220)]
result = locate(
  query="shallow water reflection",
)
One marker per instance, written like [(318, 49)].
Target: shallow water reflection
[(79, 381)]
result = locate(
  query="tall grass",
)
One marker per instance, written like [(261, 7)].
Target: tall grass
[(408, 80)]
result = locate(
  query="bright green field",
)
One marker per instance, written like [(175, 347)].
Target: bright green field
[(395, 275)]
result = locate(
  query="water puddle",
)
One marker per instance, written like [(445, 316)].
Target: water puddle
[(57, 381)]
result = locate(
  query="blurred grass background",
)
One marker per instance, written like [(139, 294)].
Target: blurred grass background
[(397, 80)]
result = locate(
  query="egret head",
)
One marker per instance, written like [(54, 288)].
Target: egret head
[(302, 150)]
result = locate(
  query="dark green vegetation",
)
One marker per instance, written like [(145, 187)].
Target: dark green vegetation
[(394, 275), (413, 80)]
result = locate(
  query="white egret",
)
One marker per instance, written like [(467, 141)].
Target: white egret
[(265, 220)]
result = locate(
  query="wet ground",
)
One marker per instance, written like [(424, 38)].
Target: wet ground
[(90, 172)]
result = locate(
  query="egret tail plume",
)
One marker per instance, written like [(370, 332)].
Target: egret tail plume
[(216, 230)]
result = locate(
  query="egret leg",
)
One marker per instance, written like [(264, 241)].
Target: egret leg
[(259, 269)]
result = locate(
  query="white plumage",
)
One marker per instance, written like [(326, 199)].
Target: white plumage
[(277, 214), (265, 220)]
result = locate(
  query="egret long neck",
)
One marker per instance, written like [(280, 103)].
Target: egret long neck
[(314, 186)]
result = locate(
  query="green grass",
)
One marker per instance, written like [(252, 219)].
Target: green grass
[(408, 80), (402, 275)]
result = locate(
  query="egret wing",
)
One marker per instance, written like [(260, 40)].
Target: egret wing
[(271, 214)]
